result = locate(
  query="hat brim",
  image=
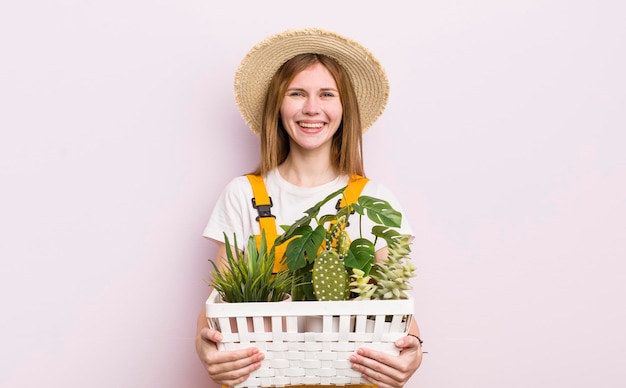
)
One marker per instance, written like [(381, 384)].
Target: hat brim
[(264, 59)]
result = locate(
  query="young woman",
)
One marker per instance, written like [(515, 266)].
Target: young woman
[(309, 94)]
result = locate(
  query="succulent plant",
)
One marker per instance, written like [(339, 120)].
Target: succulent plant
[(389, 279)]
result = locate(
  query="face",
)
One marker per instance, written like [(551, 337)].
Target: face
[(311, 109)]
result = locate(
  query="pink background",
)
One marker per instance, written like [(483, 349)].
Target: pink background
[(503, 139)]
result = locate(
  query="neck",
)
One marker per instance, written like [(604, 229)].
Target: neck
[(304, 171)]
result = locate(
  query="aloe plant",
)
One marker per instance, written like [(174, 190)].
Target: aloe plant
[(248, 276)]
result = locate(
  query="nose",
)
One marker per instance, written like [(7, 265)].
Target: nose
[(311, 106)]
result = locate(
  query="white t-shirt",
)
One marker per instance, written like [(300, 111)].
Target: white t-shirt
[(234, 215)]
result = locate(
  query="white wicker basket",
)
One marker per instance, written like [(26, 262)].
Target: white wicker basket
[(296, 352)]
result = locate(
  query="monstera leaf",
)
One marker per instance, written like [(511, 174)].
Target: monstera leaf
[(361, 255), (303, 246), (379, 211)]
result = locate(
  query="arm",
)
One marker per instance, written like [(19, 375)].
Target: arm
[(224, 367), (385, 370)]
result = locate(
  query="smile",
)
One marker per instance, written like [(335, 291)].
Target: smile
[(311, 125)]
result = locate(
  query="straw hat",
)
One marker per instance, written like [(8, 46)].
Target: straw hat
[(264, 59)]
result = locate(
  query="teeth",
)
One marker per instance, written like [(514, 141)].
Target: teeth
[(308, 125)]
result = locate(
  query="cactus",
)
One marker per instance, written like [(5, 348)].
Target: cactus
[(330, 277), (331, 280)]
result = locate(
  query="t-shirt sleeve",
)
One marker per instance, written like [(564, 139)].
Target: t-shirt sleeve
[(405, 227), (379, 191), (230, 214)]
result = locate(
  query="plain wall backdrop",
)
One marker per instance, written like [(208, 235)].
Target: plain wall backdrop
[(503, 139)]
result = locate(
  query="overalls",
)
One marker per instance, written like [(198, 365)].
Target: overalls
[(262, 202)]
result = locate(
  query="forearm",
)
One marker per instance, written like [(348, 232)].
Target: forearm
[(202, 321), (415, 331), (414, 328)]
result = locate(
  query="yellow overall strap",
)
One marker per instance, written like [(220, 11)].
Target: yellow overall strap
[(262, 202), (353, 191)]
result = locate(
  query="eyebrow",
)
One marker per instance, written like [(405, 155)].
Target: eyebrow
[(321, 90)]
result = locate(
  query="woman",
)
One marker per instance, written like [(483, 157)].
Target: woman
[(309, 94)]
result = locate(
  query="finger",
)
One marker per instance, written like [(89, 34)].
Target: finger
[(234, 377), (378, 380), (235, 359), (407, 342), (211, 335), (371, 356), (232, 367), (375, 367)]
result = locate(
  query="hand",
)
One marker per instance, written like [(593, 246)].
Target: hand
[(226, 367), (387, 371)]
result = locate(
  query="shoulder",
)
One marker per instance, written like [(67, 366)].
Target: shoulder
[(236, 192), (378, 190), (239, 184)]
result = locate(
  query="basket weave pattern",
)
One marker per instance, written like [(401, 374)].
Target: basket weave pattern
[(310, 342)]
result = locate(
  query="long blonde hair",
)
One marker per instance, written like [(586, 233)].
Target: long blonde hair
[(347, 147)]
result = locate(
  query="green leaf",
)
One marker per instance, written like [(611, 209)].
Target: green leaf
[(327, 219), (380, 211), (358, 208), (303, 249), (248, 276), (311, 213), (361, 256), (345, 211), (386, 233), (315, 209), (303, 290)]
